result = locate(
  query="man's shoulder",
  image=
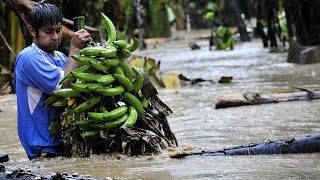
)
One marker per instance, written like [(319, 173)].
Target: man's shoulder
[(28, 49), (28, 52)]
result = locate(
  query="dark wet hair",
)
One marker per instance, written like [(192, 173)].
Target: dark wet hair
[(45, 15)]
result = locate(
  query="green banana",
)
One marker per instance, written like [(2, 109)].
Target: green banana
[(54, 127), (61, 103), (88, 77), (138, 81), (116, 123), (134, 45), (84, 59), (135, 138), (111, 30), (95, 115), (69, 76), (133, 101), (132, 119), (144, 101), (109, 52), (106, 79), (95, 86), (127, 69), (51, 100), (111, 61), (111, 91), (125, 82), (99, 126), (100, 66), (83, 123), (89, 133), (68, 112), (67, 93), (114, 114), (102, 107), (124, 53), (92, 51), (145, 67), (120, 44), (87, 105), (117, 70), (86, 87)]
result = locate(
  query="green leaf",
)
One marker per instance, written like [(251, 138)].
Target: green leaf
[(209, 16), (221, 31), (212, 6)]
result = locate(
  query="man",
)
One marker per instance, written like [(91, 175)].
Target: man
[(38, 70)]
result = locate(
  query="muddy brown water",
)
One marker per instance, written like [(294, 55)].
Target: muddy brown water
[(198, 125)]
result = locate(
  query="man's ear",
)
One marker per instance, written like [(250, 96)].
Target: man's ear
[(32, 31)]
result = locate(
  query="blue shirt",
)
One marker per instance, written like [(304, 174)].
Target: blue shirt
[(37, 74)]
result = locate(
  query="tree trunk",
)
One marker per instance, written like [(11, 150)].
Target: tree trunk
[(304, 24), (303, 20), (267, 10), (244, 36), (272, 17), (307, 144), (260, 31)]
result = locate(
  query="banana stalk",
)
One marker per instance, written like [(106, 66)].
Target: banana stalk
[(103, 95)]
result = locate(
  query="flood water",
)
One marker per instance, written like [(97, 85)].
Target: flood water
[(197, 124)]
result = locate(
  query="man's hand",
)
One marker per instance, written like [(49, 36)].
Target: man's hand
[(78, 41), (80, 38)]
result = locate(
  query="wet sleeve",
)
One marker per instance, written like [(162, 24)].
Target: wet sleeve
[(41, 74)]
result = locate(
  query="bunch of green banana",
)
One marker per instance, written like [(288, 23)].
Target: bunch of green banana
[(105, 92)]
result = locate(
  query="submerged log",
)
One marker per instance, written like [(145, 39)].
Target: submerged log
[(257, 98), (306, 144)]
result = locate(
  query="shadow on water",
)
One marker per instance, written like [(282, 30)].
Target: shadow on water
[(198, 125)]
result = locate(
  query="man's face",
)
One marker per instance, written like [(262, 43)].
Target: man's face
[(48, 39)]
